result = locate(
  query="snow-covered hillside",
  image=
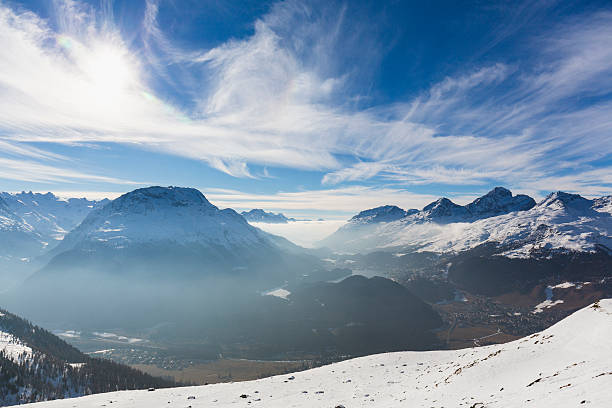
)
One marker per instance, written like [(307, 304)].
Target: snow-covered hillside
[(170, 214), (35, 365), (567, 365), (12, 347), (19, 244), (47, 214), (11, 222), (560, 222)]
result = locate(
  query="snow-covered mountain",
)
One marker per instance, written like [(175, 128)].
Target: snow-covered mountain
[(386, 213), (47, 214), (496, 202), (567, 365), (11, 222), (521, 228), (154, 243), (19, 245), (163, 214), (35, 365), (259, 215)]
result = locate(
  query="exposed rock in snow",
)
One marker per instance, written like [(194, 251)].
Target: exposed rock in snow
[(603, 204), (499, 201), (566, 365), (496, 202), (443, 208)]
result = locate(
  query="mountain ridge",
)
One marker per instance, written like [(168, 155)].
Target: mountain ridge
[(259, 215), (47, 214), (572, 222)]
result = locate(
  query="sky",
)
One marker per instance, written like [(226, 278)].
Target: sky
[(312, 108)]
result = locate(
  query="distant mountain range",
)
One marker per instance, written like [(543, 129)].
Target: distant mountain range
[(259, 215), (50, 216), (497, 244), (517, 225), (30, 225), (37, 366)]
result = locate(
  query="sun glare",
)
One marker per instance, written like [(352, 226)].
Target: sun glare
[(110, 72)]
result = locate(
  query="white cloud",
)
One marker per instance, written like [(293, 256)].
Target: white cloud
[(35, 172), (338, 202), (273, 99)]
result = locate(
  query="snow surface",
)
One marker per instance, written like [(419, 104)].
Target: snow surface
[(13, 348), (560, 222), (116, 337), (563, 366), (280, 292), (603, 204)]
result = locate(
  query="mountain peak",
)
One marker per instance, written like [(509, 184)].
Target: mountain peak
[(500, 201), (499, 192), (567, 200), (162, 214), (443, 207), (150, 198)]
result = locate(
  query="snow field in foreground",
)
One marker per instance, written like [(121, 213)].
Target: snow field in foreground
[(567, 365)]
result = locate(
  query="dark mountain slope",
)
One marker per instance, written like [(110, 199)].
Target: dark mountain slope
[(35, 366)]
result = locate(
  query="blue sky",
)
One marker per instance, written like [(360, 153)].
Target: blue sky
[(311, 108)]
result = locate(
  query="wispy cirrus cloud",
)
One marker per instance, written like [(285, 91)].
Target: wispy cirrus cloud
[(36, 172), (278, 98)]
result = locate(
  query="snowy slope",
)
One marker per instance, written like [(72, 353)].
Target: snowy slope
[(12, 347), (154, 214), (49, 215), (567, 365), (19, 244), (603, 204), (560, 222), (9, 221), (36, 365)]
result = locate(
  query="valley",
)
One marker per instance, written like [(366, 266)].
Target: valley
[(163, 281), (561, 367)]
